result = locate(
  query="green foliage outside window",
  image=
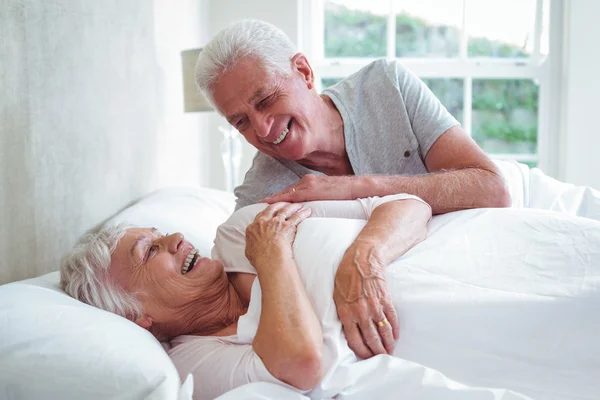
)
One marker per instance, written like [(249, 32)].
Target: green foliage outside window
[(354, 33), (482, 47), (504, 111)]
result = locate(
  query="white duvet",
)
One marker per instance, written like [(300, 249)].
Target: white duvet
[(494, 304)]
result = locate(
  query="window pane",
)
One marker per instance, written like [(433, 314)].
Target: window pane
[(355, 28), (505, 114), (545, 39), (428, 28), (451, 94), (500, 28)]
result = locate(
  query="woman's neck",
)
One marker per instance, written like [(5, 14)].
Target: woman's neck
[(207, 317), (227, 310)]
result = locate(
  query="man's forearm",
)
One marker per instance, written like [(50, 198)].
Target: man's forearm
[(394, 228), (445, 191), (361, 293)]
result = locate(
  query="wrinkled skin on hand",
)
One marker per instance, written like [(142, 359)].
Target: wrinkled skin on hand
[(273, 232), (362, 299)]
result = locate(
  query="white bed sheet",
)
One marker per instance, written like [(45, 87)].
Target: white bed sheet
[(531, 188), (452, 319)]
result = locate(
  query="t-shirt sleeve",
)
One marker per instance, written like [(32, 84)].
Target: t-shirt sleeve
[(429, 118), (218, 366), (354, 209), (371, 203), (265, 177), (230, 240)]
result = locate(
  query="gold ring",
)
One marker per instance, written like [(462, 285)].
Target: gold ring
[(382, 323)]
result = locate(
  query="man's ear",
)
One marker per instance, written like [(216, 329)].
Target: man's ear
[(145, 321), (300, 63)]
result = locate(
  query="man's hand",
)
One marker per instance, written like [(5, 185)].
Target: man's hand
[(364, 304), (313, 187)]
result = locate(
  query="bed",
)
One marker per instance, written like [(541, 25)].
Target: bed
[(55, 347)]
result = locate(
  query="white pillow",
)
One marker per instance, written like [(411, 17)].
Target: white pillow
[(55, 347)]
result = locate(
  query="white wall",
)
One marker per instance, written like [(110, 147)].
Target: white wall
[(580, 135), (185, 153), (91, 118)]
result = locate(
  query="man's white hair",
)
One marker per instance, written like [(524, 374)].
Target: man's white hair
[(249, 37), (84, 273)]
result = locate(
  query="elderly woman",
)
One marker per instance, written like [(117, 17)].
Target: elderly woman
[(222, 322)]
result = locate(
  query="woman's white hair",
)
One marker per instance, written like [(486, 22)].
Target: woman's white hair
[(248, 37), (84, 273)]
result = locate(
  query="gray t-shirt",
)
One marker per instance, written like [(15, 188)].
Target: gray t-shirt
[(391, 120)]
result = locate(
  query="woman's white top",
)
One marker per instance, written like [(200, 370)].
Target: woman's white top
[(220, 364)]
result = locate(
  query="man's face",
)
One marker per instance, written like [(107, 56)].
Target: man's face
[(275, 114), (156, 267)]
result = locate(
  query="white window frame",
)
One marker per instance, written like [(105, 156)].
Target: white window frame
[(545, 70)]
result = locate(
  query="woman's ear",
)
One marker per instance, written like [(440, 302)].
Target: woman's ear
[(300, 63), (145, 321)]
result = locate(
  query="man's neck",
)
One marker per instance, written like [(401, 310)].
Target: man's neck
[(330, 156)]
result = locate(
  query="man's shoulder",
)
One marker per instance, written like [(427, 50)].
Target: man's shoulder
[(380, 69), (266, 176), (378, 79)]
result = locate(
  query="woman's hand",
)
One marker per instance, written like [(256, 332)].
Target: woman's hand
[(273, 231), (289, 339)]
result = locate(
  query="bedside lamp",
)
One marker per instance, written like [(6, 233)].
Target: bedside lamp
[(194, 101)]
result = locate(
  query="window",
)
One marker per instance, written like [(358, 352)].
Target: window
[(492, 63)]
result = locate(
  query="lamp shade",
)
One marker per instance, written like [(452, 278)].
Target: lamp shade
[(193, 100)]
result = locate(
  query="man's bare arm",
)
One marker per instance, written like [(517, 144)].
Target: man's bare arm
[(461, 177)]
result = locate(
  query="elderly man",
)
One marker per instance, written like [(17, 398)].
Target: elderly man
[(379, 132)]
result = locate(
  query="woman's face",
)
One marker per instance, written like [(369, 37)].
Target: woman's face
[(157, 268)]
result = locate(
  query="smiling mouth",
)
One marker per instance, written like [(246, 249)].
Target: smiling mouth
[(190, 262), (283, 134)]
